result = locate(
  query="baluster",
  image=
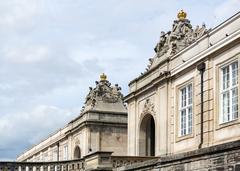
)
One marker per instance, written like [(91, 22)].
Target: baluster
[(59, 167), (37, 168), (45, 168), (52, 168), (23, 168)]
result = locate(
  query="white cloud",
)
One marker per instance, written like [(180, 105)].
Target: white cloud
[(226, 9), (30, 127), (26, 54), (15, 12)]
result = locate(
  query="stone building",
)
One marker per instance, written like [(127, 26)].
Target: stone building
[(183, 111), (101, 126), (188, 99)]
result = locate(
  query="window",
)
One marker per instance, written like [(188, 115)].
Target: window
[(229, 93), (185, 111), (55, 155), (45, 156), (65, 152)]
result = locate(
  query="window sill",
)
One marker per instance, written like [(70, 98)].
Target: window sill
[(227, 124), (184, 137)]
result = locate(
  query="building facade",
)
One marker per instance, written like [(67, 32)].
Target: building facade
[(188, 98), (101, 126), (183, 112)]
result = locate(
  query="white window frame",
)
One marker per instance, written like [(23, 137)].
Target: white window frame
[(54, 155), (230, 116), (188, 106), (65, 152)]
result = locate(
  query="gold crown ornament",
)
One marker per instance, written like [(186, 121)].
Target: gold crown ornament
[(103, 77), (182, 15)]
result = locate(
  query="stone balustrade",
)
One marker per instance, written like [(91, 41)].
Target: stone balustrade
[(120, 161), (70, 165), (94, 161)]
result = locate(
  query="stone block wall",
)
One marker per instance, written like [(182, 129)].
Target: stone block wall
[(224, 157)]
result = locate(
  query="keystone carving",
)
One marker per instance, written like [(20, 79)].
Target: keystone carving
[(148, 107), (77, 142)]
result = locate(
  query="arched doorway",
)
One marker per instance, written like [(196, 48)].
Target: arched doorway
[(77, 153), (147, 136)]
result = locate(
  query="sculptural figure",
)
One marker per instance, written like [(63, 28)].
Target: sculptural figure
[(181, 36)]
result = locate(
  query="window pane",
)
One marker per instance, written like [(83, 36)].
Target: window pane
[(183, 122), (190, 119), (235, 103), (234, 73), (184, 96), (190, 94), (226, 107), (225, 72)]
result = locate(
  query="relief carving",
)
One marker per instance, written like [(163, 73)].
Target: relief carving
[(181, 36), (77, 142), (104, 92), (149, 108)]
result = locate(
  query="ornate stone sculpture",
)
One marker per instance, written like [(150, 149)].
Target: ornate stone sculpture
[(103, 92), (148, 108), (181, 36)]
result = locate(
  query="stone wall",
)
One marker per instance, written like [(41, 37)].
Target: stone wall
[(216, 158)]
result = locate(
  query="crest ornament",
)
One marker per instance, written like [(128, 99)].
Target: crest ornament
[(103, 92), (181, 36), (77, 142), (149, 108)]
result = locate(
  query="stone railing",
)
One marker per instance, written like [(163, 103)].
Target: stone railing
[(120, 161), (94, 161), (69, 165)]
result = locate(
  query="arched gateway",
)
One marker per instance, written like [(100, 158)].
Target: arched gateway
[(77, 153), (147, 136)]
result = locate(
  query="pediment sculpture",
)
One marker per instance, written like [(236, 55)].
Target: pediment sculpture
[(104, 92), (181, 36)]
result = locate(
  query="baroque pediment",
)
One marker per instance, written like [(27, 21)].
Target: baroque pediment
[(103, 92), (181, 36)]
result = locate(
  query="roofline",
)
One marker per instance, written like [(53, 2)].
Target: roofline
[(211, 31)]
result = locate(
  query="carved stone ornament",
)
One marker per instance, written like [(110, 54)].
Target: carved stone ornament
[(77, 142), (148, 108), (103, 92), (181, 36)]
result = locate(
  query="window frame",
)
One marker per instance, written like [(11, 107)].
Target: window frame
[(189, 79), (228, 90), (188, 128), (65, 152)]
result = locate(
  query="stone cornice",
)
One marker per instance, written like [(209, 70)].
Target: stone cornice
[(229, 40), (210, 33)]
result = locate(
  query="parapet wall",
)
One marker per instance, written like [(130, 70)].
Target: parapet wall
[(216, 158)]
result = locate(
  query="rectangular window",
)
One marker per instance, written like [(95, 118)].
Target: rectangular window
[(65, 152), (186, 112), (229, 93), (55, 155)]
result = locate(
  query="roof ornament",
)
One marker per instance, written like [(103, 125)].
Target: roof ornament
[(103, 92), (181, 36), (182, 15), (103, 77)]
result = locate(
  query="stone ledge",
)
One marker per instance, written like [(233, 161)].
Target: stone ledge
[(201, 152)]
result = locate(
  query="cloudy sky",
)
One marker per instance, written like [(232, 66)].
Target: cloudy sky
[(51, 51)]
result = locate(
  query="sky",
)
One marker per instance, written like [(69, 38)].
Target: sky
[(51, 51)]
